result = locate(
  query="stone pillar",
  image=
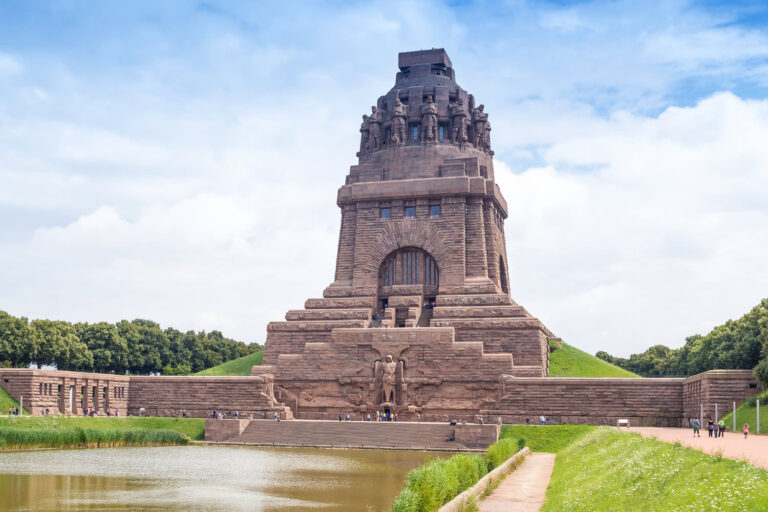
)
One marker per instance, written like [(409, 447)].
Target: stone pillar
[(345, 256), (492, 256), (474, 227)]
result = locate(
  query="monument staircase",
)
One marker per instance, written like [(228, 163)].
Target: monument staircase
[(350, 434)]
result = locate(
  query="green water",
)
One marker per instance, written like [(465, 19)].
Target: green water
[(204, 478)]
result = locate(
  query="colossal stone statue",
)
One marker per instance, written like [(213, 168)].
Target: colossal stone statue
[(389, 381), (479, 121), (364, 132), (398, 122), (374, 135), (429, 120), (459, 121)]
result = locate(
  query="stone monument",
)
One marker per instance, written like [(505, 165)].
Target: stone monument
[(419, 317)]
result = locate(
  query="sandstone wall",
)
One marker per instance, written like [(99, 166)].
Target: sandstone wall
[(717, 387), (600, 401)]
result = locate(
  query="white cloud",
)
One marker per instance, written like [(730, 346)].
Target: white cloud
[(665, 236)]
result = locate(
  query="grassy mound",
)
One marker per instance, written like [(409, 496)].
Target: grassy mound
[(64, 431), (747, 413), (239, 366), (439, 481), (608, 470), (568, 361), (546, 438), (7, 401)]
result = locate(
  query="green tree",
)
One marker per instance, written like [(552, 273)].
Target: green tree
[(53, 336), (108, 348), (18, 341)]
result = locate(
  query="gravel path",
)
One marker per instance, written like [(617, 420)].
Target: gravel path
[(733, 446)]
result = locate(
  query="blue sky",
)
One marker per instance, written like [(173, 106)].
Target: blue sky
[(179, 161)]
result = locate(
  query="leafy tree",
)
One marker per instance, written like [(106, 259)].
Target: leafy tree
[(18, 341), (53, 338), (109, 349)]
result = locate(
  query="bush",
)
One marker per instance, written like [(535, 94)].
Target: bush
[(437, 482)]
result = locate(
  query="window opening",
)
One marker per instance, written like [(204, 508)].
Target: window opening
[(410, 211), (434, 210), (386, 213)]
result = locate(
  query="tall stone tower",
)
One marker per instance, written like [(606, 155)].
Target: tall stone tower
[(419, 317)]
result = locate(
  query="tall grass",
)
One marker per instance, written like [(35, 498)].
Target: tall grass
[(76, 437), (437, 482), (194, 428)]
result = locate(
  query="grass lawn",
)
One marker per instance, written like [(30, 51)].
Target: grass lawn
[(609, 470), (745, 414), (568, 361), (6, 401), (239, 366), (546, 438)]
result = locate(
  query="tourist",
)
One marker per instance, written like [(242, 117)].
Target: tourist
[(721, 424), (117, 412), (9, 411), (745, 429), (339, 417), (710, 426), (527, 420), (347, 416), (543, 420), (395, 416), (696, 427), (236, 415), (715, 428), (453, 422), (368, 417)]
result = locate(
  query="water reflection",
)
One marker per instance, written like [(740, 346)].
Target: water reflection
[(203, 478)]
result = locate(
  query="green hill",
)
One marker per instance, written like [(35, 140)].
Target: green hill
[(746, 413), (239, 366), (568, 361), (6, 401)]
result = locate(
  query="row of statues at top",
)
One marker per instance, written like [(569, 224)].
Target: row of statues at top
[(465, 128)]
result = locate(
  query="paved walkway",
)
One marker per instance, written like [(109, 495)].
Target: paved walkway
[(523, 489), (733, 446)]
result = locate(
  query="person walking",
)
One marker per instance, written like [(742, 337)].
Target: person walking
[(716, 429), (745, 429), (721, 429), (696, 428), (339, 417), (527, 420), (710, 427)]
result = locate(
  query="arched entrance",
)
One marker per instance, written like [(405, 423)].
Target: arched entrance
[(503, 276), (408, 271)]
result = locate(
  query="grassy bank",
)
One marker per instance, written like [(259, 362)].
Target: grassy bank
[(546, 438), (608, 470), (439, 481), (72, 432), (239, 366), (568, 361), (747, 413), (6, 401)]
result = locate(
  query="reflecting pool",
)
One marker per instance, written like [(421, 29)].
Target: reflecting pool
[(204, 478)]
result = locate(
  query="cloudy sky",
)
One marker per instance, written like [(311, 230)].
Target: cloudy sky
[(179, 161)]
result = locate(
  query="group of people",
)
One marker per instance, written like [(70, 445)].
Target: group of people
[(91, 412), (714, 428), (13, 411)]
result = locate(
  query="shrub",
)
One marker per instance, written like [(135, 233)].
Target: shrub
[(437, 482)]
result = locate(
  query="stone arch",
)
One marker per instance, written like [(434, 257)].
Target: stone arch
[(503, 276), (398, 235), (409, 266)]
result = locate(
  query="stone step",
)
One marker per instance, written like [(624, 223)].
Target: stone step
[(351, 434), (340, 303), (490, 299), (315, 325), (479, 312), (328, 314)]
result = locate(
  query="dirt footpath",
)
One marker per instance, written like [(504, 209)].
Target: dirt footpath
[(733, 446), (523, 489)]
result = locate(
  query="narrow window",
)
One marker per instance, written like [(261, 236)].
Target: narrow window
[(41, 388), (410, 211), (386, 213), (442, 132), (415, 132), (434, 210)]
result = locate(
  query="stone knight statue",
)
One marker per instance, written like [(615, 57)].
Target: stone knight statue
[(429, 120), (374, 133), (479, 121), (459, 120), (364, 133), (387, 374), (398, 122)]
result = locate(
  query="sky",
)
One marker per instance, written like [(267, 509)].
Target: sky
[(179, 161)]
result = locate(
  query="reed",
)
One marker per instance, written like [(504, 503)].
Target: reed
[(75, 437)]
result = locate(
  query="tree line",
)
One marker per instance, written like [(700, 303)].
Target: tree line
[(137, 347), (737, 344)]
